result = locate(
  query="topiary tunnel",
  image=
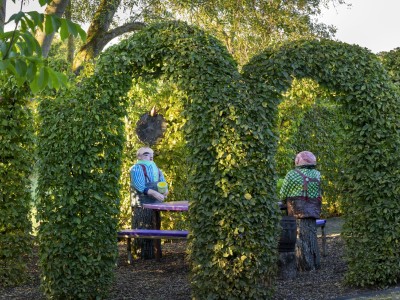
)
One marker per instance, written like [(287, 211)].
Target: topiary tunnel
[(229, 131)]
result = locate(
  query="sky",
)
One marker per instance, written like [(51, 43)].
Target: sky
[(373, 24)]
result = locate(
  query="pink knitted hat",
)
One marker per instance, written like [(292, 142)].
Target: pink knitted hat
[(305, 158)]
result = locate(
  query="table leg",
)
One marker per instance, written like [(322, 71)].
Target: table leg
[(323, 240), (129, 250), (157, 225)]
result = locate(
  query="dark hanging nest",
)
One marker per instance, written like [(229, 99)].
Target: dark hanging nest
[(151, 127)]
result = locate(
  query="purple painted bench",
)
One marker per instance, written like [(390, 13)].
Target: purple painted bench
[(150, 234), (321, 223)]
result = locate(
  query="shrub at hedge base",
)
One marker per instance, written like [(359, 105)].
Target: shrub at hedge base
[(371, 177)]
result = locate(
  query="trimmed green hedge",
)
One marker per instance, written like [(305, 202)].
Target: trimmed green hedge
[(80, 167), (391, 62), (371, 107), (16, 164), (80, 142), (232, 147)]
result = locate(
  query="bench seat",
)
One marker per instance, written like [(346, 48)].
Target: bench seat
[(150, 234)]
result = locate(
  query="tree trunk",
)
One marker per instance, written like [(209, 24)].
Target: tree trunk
[(98, 27), (143, 218), (3, 5), (56, 7), (98, 34), (307, 251)]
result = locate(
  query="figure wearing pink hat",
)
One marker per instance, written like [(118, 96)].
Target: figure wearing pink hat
[(301, 193)]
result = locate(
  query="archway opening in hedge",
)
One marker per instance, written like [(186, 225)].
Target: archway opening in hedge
[(309, 118), (370, 105), (83, 144)]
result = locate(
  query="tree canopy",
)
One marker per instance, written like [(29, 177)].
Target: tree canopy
[(245, 27)]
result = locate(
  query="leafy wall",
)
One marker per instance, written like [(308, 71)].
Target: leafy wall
[(81, 139), (16, 161), (370, 155), (230, 121)]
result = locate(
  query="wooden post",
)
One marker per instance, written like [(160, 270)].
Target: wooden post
[(307, 251), (287, 265), (143, 218)]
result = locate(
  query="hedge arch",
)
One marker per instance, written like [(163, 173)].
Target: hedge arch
[(80, 144), (371, 177), (229, 130)]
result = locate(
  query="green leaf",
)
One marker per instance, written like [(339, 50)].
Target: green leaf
[(48, 24), (82, 34), (31, 71), (72, 27), (64, 34), (16, 17), (30, 23), (44, 2), (28, 47), (52, 23), (37, 19), (34, 86), (20, 67)]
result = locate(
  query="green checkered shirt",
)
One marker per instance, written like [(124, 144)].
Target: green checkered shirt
[(292, 185)]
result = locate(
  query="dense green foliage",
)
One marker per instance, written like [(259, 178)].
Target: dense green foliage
[(16, 160), (370, 105), (81, 143), (22, 71), (391, 62)]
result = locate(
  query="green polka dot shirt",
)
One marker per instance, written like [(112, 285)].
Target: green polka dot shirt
[(292, 185)]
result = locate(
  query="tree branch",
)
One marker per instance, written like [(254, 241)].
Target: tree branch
[(128, 27), (96, 44), (55, 7)]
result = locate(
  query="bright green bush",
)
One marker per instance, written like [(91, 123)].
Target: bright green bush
[(16, 163), (370, 105)]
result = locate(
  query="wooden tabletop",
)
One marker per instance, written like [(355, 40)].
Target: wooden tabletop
[(173, 205)]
